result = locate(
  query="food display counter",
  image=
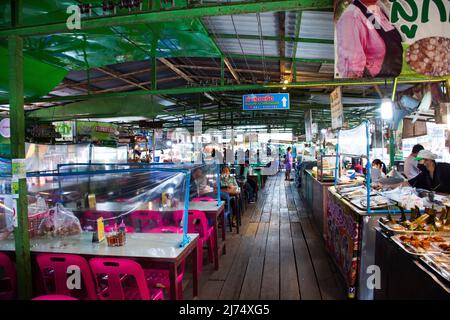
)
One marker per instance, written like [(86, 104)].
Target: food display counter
[(350, 231), (410, 277), (315, 193)]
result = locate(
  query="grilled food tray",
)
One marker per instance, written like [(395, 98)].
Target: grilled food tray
[(407, 247)]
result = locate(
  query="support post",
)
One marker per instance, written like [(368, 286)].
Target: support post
[(154, 76), (391, 131), (222, 70), (17, 117)]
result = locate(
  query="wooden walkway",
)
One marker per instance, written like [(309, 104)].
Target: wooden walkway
[(278, 255)]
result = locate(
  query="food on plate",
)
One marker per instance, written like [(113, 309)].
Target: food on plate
[(430, 56)]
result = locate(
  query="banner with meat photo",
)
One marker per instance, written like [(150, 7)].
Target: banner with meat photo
[(388, 38)]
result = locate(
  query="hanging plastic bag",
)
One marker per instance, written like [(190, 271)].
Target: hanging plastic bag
[(60, 222), (39, 206)]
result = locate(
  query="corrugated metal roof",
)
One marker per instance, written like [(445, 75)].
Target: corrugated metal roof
[(314, 24), (245, 46), (246, 24), (311, 50)]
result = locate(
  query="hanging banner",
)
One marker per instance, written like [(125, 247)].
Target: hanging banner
[(386, 38), (65, 129), (99, 133), (308, 125), (337, 109)]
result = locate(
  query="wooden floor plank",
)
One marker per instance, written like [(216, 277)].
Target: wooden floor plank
[(309, 287), (289, 289), (259, 248), (232, 287), (278, 254), (270, 288), (251, 286), (329, 289)]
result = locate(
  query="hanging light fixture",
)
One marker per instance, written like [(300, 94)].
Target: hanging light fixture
[(387, 109)]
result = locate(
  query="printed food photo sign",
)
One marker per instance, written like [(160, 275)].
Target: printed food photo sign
[(388, 38)]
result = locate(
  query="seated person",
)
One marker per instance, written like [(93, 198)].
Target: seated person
[(199, 183), (249, 184), (227, 181)]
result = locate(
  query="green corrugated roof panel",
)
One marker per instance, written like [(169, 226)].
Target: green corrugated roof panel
[(99, 47)]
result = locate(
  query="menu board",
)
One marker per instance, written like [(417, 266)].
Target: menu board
[(337, 109)]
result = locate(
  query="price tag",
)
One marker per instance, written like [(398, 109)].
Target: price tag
[(19, 169)]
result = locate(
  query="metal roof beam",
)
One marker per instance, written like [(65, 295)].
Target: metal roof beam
[(243, 87), (273, 38), (145, 17)]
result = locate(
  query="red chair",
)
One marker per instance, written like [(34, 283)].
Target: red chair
[(53, 272), (145, 220), (114, 280), (8, 283), (89, 219), (54, 297), (197, 223)]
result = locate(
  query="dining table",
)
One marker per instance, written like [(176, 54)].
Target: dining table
[(160, 250), (213, 211)]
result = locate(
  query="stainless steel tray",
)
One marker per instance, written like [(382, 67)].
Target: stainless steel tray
[(386, 227), (440, 268), (417, 252)]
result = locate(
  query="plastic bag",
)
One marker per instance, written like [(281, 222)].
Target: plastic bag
[(38, 207), (60, 222)]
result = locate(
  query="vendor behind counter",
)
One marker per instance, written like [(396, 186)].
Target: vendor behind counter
[(434, 176)]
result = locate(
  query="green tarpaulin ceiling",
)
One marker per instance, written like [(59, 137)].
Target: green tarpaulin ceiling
[(55, 54)]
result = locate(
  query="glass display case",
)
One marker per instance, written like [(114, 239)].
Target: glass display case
[(326, 166), (71, 200)]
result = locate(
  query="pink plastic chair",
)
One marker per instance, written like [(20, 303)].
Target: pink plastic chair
[(54, 297), (112, 276), (9, 278), (160, 277), (53, 271), (147, 219), (200, 199), (89, 219), (197, 223), (128, 229)]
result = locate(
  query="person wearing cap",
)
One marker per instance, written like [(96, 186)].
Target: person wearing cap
[(434, 176), (411, 170)]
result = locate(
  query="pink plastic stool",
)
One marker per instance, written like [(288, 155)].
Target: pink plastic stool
[(53, 270), (197, 223), (111, 276), (54, 297), (160, 277), (9, 277), (89, 219), (147, 219)]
